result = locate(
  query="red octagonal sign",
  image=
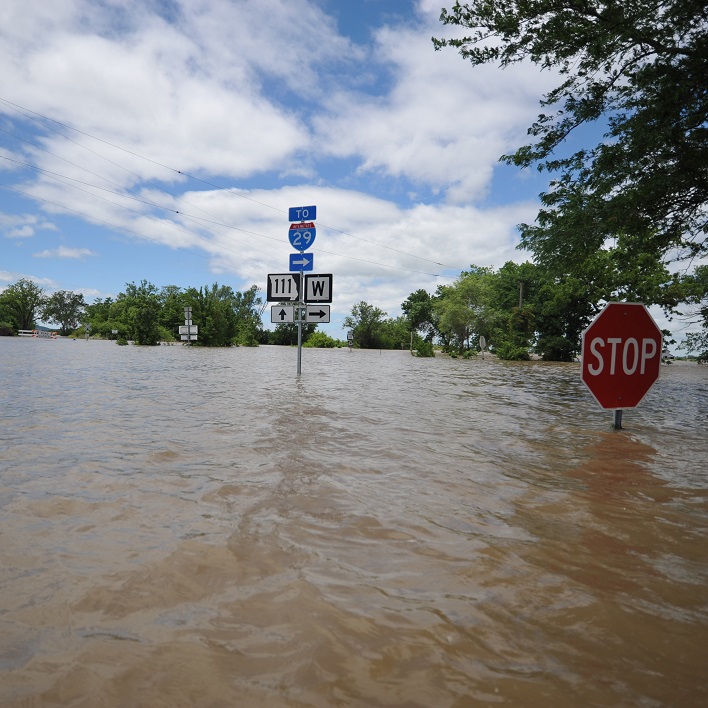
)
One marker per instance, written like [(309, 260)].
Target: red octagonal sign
[(621, 355)]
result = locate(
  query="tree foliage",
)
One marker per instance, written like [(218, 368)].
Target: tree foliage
[(141, 308), (367, 323), (697, 297), (148, 315), (518, 309), (320, 340), (616, 212), (21, 303), (64, 308)]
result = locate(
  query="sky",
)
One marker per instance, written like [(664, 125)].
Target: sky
[(166, 140)]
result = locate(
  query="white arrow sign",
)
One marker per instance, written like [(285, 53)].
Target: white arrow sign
[(280, 314), (317, 313)]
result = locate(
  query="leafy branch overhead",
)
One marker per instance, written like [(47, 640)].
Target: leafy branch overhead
[(640, 70)]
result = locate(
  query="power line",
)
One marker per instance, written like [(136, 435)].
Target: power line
[(127, 195), (25, 111), (125, 229)]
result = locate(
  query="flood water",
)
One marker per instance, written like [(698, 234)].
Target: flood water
[(191, 527)]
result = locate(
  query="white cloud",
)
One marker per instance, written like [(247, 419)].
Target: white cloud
[(23, 225), (65, 252), (156, 88), (10, 277), (237, 91), (443, 124)]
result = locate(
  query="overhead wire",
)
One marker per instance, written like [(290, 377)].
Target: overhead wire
[(26, 111), (118, 227), (65, 179)]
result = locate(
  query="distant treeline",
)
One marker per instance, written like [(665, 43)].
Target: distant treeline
[(518, 309)]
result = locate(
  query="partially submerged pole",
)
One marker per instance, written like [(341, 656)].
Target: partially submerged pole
[(617, 420)]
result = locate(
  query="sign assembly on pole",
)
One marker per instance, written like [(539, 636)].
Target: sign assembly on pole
[(621, 355), (293, 291), (188, 332)]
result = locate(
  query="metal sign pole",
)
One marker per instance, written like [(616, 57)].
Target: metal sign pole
[(299, 339), (300, 305), (617, 419)]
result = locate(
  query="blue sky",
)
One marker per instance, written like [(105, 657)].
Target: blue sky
[(166, 139)]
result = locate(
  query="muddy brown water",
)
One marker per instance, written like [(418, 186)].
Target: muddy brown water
[(186, 527)]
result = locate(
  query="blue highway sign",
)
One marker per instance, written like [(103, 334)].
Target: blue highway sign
[(305, 213), (302, 261), (302, 236)]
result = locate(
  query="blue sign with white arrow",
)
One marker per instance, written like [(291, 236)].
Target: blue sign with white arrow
[(302, 261)]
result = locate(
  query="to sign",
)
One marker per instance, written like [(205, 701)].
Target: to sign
[(283, 287), (302, 213), (621, 355)]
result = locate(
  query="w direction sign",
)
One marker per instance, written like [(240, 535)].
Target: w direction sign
[(318, 288)]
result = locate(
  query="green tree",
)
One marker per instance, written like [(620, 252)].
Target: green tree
[(286, 333), (696, 287), (638, 69), (248, 320), (213, 313), (172, 303), (140, 306), (639, 72), (513, 292), (225, 317), (464, 309), (395, 333), (418, 309), (21, 303), (562, 311), (101, 316), (321, 340), (64, 308), (367, 323)]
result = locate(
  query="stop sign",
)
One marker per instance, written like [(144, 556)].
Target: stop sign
[(621, 355)]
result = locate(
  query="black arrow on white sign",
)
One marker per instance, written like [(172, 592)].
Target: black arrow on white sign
[(319, 313)]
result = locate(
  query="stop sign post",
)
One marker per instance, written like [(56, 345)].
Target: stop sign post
[(621, 356)]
